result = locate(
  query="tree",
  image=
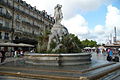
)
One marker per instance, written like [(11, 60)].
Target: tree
[(89, 43), (72, 44), (42, 42)]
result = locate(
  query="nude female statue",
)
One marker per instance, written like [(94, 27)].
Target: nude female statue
[(58, 14)]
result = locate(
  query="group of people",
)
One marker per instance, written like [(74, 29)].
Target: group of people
[(111, 56), (16, 53)]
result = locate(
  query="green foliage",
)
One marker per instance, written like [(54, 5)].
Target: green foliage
[(71, 43), (42, 42), (53, 45), (89, 43)]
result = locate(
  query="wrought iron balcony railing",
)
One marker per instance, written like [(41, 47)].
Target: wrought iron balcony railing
[(4, 28), (5, 15)]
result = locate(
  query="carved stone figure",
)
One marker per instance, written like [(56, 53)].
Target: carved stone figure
[(58, 30), (58, 14)]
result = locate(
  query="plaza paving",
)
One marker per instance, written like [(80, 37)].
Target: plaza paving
[(98, 65)]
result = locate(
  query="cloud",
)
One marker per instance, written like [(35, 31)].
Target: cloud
[(113, 20), (113, 17), (99, 29), (70, 7), (105, 32), (79, 26), (76, 25), (101, 33)]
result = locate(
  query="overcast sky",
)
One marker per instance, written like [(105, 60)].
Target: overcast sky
[(88, 19)]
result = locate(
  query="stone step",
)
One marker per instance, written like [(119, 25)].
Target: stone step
[(112, 76), (100, 72), (36, 76), (55, 70), (91, 73)]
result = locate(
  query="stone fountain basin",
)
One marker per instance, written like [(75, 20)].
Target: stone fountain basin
[(58, 59)]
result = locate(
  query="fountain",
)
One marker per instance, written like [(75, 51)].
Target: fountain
[(60, 66), (57, 58)]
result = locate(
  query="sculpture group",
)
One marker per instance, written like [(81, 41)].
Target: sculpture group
[(58, 31)]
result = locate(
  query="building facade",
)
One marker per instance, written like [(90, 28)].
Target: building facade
[(20, 21)]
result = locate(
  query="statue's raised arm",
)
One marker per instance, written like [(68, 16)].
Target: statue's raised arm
[(58, 14)]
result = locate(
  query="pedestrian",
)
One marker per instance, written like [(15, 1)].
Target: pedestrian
[(3, 55), (104, 52), (16, 53), (110, 54), (97, 51), (21, 53)]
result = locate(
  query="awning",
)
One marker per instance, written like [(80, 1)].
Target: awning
[(24, 45), (26, 41), (7, 44), (15, 45), (87, 48)]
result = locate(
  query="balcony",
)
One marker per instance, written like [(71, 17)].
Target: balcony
[(2, 2), (28, 33), (23, 32), (4, 28), (36, 26), (5, 15), (6, 4), (25, 13), (27, 23)]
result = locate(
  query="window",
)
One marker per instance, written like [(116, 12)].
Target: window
[(17, 25), (1, 22), (17, 16), (6, 36), (7, 24), (33, 32), (1, 9), (0, 35), (18, 7)]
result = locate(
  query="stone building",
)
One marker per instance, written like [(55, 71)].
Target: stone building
[(20, 22)]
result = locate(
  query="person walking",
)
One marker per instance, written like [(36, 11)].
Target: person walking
[(16, 53), (97, 51), (3, 55), (110, 54)]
